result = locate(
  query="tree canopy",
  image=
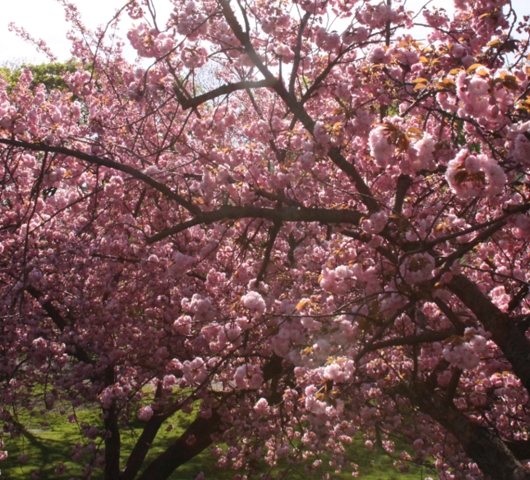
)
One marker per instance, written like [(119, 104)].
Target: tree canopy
[(292, 220), (48, 74)]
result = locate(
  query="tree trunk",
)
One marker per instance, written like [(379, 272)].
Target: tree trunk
[(184, 449), (504, 332), (484, 447), (112, 434), (141, 448)]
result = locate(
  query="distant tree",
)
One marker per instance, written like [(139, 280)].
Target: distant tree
[(48, 74), (333, 240)]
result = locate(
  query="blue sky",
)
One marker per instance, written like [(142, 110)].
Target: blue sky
[(45, 19)]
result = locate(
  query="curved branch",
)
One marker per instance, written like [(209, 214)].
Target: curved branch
[(297, 57), (504, 331), (424, 337), (55, 315), (297, 108), (267, 257), (187, 103), (141, 448), (513, 210), (286, 214), (380, 332), (492, 455), (194, 440), (349, 169), (106, 162)]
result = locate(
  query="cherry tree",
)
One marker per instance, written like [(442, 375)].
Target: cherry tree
[(290, 220)]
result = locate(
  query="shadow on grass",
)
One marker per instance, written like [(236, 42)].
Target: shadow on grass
[(44, 453), (50, 447)]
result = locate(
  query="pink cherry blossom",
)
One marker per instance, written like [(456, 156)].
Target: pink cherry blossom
[(293, 225), (145, 413)]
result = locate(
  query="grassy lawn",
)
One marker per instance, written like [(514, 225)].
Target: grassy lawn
[(50, 440)]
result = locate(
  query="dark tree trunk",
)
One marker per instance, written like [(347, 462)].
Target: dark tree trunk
[(141, 448), (484, 447), (112, 434), (504, 332), (183, 449)]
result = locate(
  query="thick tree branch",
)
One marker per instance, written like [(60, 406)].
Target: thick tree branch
[(503, 330), (349, 169), (484, 447), (285, 214), (112, 433), (297, 108), (403, 184), (106, 162), (52, 312), (141, 448), (267, 256), (523, 323), (424, 337), (193, 441), (521, 448), (187, 103)]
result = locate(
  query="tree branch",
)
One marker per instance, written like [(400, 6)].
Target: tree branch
[(61, 323), (446, 310), (380, 332), (403, 184), (275, 197), (297, 108), (267, 257), (187, 103), (349, 169), (297, 50), (504, 332), (484, 447), (424, 337), (496, 221), (141, 448), (106, 162), (112, 433), (520, 448), (481, 237), (285, 214), (193, 441)]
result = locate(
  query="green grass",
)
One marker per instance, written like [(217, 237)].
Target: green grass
[(49, 440)]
